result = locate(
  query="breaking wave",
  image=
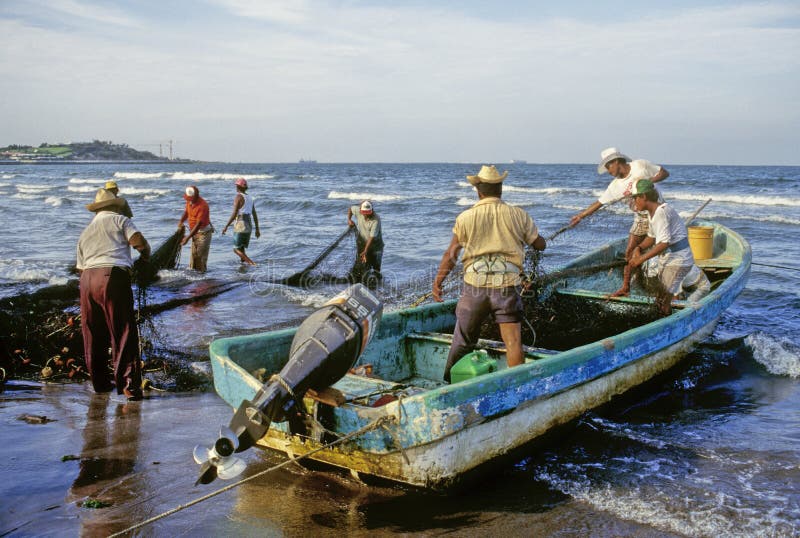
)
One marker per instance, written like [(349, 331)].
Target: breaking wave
[(202, 176), (56, 201), (336, 195), (778, 355), (138, 175), (33, 189), (739, 216), (79, 180), (745, 199)]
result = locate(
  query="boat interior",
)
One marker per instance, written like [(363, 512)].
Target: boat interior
[(570, 312)]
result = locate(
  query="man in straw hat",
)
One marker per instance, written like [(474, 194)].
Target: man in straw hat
[(200, 228), (111, 186), (667, 239), (493, 236), (104, 260), (626, 173)]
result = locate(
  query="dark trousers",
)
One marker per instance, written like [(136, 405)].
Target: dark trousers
[(108, 321), (474, 306)]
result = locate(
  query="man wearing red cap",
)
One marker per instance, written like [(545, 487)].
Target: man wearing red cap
[(200, 229), (244, 213), (369, 241)]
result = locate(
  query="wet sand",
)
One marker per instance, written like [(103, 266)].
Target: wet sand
[(137, 457)]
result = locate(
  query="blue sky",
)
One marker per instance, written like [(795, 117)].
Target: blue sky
[(462, 81)]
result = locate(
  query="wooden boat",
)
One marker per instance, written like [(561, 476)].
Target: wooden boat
[(436, 433)]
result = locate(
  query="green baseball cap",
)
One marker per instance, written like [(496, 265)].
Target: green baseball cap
[(643, 186)]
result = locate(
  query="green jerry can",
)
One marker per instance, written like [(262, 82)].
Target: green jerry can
[(472, 365)]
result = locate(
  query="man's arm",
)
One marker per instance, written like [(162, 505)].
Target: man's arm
[(539, 243), (191, 233), (238, 202), (363, 254), (255, 220), (138, 242), (449, 260), (661, 175), (183, 218), (585, 213), (350, 217)]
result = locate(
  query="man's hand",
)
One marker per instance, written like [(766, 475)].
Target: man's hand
[(350, 222), (363, 257), (225, 229), (437, 292), (184, 240), (258, 234)]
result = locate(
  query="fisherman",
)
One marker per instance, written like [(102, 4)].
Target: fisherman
[(369, 241), (493, 235), (243, 208), (104, 260), (111, 186), (625, 173), (668, 239), (200, 228)]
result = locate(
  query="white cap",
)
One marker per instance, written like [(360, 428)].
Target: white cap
[(189, 191), (366, 207)]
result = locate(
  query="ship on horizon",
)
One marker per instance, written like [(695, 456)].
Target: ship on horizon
[(519, 161), (307, 161)]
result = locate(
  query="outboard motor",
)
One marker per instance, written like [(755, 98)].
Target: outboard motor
[(325, 347)]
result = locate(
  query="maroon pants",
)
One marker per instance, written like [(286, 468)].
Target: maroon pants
[(108, 321)]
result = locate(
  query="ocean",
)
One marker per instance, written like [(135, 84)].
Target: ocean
[(711, 449)]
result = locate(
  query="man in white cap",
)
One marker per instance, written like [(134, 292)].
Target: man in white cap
[(626, 173), (369, 241), (493, 236), (200, 228), (107, 317), (244, 215)]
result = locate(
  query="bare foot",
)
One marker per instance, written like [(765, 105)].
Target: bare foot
[(622, 292)]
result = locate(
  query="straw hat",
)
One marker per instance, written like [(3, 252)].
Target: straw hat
[(488, 174), (105, 200), (608, 155), (111, 184)]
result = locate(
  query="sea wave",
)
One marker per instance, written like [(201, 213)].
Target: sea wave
[(537, 190), (81, 180), (196, 176), (8, 176), (744, 199), (464, 201), (778, 355), (780, 219), (150, 192), (85, 188), (336, 195), (33, 189), (57, 201), (4, 184), (22, 271), (138, 175)]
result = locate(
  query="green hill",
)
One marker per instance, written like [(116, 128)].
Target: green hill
[(97, 150)]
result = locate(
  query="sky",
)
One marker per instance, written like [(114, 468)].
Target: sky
[(682, 82)]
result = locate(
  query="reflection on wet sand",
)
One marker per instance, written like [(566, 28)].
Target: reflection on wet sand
[(107, 465)]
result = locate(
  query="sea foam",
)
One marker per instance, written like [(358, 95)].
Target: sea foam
[(336, 195), (196, 176), (778, 355), (138, 175)]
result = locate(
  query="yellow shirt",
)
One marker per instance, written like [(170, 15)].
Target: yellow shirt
[(493, 227)]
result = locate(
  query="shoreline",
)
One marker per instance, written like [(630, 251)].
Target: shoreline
[(62, 162)]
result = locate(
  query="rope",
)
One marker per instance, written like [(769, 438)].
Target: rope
[(375, 424), (776, 266)]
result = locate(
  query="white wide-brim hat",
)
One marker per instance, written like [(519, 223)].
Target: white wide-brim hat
[(488, 174), (608, 155)]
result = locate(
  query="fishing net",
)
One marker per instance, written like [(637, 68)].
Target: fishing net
[(40, 332), (338, 263)]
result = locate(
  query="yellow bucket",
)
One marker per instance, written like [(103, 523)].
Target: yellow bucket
[(701, 241)]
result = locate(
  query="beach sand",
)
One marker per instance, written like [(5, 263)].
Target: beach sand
[(137, 457)]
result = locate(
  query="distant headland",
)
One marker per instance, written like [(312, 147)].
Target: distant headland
[(98, 151)]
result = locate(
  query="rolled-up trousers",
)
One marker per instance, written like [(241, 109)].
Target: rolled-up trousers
[(108, 321)]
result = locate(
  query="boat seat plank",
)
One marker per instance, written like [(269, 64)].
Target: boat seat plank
[(493, 345)]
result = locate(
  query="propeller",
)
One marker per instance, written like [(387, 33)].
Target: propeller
[(218, 460)]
